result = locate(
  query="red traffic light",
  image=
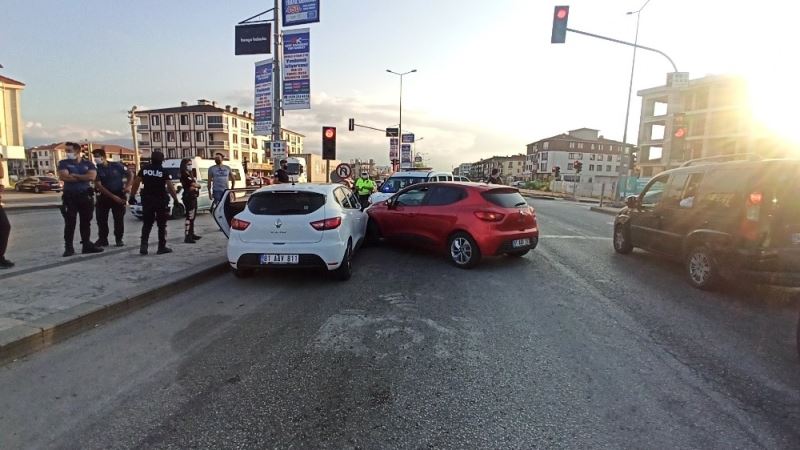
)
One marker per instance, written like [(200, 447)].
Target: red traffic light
[(330, 133), (680, 133), (561, 13)]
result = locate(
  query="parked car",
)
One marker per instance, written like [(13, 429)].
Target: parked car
[(203, 202), (39, 184), (291, 226), (467, 220), (461, 178), (733, 219), (403, 178)]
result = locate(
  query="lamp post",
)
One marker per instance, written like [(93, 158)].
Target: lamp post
[(623, 155), (400, 129), (136, 154)]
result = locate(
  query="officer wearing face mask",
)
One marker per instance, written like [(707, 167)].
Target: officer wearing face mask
[(112, 184), (78, 199), (155, 202)]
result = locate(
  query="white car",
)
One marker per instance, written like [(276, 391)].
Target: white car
[(292, 226), (403, 178)]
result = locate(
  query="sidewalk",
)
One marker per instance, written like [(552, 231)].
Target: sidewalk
[(606, 210), (42, 304)]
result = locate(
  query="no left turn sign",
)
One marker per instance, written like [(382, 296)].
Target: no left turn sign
[(344, 170)]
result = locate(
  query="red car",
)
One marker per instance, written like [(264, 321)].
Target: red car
[(468, 220), (38, 184)]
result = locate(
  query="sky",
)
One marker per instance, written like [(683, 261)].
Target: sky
[(489, 81)]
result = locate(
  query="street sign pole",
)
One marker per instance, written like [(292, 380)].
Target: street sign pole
[(277, 88)]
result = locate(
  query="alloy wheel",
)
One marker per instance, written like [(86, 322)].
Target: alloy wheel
[(461, 251)]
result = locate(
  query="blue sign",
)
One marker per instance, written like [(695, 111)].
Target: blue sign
[(297, 69), (263, 100), (298, 12)]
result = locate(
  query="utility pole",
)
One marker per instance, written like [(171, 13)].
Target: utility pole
[(277, 87), (136, 154)]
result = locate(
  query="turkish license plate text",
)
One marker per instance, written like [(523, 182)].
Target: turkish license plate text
[(279, 259), (520, 243)]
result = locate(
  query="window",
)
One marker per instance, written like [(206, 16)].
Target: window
[(674, 190), (600, 146), (214, 119), (608, 168), (235, 138), (235, 122), (720, 190), (571, 145), (571, 156), (185, 136), (285, 203), (511, 164), (543, 156), (652, 194), (543, 167), (690, 191), (569, 166), (412, 197), (157, 136), (170, 134), (591, 167), (580, 155), (591, 157), (546, 145), (169, 120), (580, 145), (172, 153), (342, 198), (444, 195), (199, 136), (592, 147), (198, 119), (155, 120), (608, 157), (505, 198), (187, 152), (236, 154), (184, 119), (246, 141)]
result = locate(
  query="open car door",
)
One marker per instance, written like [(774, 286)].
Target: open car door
[(233, 202)]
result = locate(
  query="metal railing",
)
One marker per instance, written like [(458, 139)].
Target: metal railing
[(144, 143), (142, 127), (218, 143)]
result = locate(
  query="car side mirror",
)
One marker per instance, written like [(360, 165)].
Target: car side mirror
[(632, 202), (391, 203)]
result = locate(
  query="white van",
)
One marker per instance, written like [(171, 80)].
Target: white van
[(296, 167), (200, 168)]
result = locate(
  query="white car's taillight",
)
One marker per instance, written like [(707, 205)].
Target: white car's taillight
[(239, 225), (327, 224)]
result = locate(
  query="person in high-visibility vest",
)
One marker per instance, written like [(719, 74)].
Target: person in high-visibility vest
[(364, 187)]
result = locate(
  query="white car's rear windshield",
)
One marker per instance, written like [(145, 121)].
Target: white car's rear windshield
[(285, 203)]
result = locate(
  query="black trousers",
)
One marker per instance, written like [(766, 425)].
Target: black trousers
[(104, 205), (155, 210), (364, 200), (190, 203), (5, 231), (76, 205)]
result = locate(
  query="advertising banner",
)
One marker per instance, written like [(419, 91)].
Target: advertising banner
[(408, 138), (262, 111), (393, 156), (253, 39), (299, 12), (296, 69), (405, 155)]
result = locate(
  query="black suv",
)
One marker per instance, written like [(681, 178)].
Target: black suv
[(736, 219)]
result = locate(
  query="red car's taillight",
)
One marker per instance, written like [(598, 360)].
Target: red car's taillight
[(489, 216), (327, 224), (239, 225)]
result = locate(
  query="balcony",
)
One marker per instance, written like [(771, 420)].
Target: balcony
[(217, 126), (144, 143), (142, 127), (218, 144)]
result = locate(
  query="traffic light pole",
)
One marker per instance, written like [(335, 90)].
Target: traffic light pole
[(674, 67), (276, 79)]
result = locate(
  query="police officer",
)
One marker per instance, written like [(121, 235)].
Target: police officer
[(154, 201), (112, 184), (364, 186), (78, 199)]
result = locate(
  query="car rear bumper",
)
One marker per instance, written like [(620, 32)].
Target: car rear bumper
[(498, 244), (319, 254)]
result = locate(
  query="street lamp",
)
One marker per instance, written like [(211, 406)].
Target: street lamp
[(400, 128), (136, 154), (623, 155)]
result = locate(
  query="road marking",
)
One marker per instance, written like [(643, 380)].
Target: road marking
[(558, 236)]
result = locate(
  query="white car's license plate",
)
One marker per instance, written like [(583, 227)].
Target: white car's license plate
[(520, 243), (279, 259)]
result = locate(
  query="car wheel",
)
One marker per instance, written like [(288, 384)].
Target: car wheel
[(622, 240), (243, 273), (37, 190), (463, 250), (518, 253), (373, 233), (345, 270), (702, 268)]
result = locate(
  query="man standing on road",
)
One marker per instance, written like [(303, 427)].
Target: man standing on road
[(5, 225), (364, 186), (281, 175), (218, 178), (154, 201), (112, 190), (78, 199)]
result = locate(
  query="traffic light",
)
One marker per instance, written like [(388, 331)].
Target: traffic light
[(679, 132), (560, 16), (578, 166), (351, 124), (328, 142), (634, 159)]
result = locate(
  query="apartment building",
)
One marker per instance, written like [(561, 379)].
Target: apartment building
[(716, 112), (207, 130), (43, 159), (11, 125), (511, 168), (600, 157)]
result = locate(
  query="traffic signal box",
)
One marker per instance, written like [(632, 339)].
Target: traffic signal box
[(560, 16), (328, 142)]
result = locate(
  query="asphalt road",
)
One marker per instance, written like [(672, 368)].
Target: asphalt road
[(11, 197), (570, 346)]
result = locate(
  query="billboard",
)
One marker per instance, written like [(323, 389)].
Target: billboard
[(252, 39), (299, 12), (262, 110), (296, 69), (393, 156), (405, 155)]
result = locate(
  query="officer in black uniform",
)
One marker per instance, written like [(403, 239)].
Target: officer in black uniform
[(155, 202)]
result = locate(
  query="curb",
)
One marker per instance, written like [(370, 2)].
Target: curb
[(29, 207), (610, 212), (540, 197), (31, 337)]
